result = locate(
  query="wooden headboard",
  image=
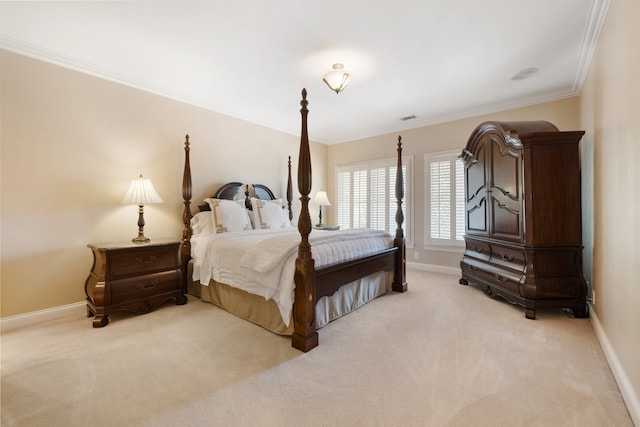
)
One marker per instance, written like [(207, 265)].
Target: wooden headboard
[(234, 191)]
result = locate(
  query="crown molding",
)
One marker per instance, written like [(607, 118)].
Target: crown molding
[(597, 16)]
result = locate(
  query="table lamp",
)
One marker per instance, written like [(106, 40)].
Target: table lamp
[(321, 200), (141, 192)]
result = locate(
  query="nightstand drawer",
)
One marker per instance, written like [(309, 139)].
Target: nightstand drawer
[(147, 260), (139, 287)]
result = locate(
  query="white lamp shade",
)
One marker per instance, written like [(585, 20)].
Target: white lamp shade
[(337, 79), (141, 192), (321, 199)]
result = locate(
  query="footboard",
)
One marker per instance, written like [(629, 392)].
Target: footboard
[(329, 279)]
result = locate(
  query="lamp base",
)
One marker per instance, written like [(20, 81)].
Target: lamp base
[(140, 239)]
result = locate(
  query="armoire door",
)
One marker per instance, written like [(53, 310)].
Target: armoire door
[(505, 189), (476, 185)]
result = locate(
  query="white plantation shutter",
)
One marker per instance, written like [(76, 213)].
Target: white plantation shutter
[(366, 195), (378, 205), (343, 202), (359, 199), (444, 199), (440, 188)]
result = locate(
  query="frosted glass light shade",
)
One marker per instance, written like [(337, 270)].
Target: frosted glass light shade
[(337, 79)]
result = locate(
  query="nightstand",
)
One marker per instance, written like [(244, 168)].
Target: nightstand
[(134, 277), (327, 227)]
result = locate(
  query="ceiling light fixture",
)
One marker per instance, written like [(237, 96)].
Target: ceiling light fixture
[(337, 79)]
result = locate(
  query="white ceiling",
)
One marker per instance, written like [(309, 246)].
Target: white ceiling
[(439, 60)]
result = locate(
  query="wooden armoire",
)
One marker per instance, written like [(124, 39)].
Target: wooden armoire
[(523, 232)]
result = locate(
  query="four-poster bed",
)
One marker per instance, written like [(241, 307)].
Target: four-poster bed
[(315, 281)]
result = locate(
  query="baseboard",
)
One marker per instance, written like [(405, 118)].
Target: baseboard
[(41, 316), (455, 271), (629, 395)]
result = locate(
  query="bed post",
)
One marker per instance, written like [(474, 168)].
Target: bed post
[(185, 252), (289, 192), (399, 272), (305, 336)]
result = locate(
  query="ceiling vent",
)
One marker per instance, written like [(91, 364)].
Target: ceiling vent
[(524, 73)]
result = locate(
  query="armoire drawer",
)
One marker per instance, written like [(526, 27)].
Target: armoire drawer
[(494, 276), (508, 257), (477, 249)]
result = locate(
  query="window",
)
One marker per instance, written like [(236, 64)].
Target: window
[(366, 195), (444, 200)]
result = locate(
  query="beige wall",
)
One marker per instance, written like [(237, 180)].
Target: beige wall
[(70, 145), (431, 139), (611, 117)]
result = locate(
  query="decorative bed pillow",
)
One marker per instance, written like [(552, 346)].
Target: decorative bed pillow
[(251, 218), (269, 214), (202, 223), (228, 215)]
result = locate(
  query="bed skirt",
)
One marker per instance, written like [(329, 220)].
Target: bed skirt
[(265, 313)]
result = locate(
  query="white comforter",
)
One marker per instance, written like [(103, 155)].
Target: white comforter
[(262, 262)]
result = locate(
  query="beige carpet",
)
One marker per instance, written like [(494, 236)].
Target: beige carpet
[(441, 354)]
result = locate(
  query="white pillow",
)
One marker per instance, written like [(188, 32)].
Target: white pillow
[(269, 214), (228, 215), (251, 218), (202, 223)]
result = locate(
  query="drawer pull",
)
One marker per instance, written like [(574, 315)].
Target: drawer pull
[(477, 249), (473, 268), (500, 278), (507, 257), (146, 260), (146, 286)]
